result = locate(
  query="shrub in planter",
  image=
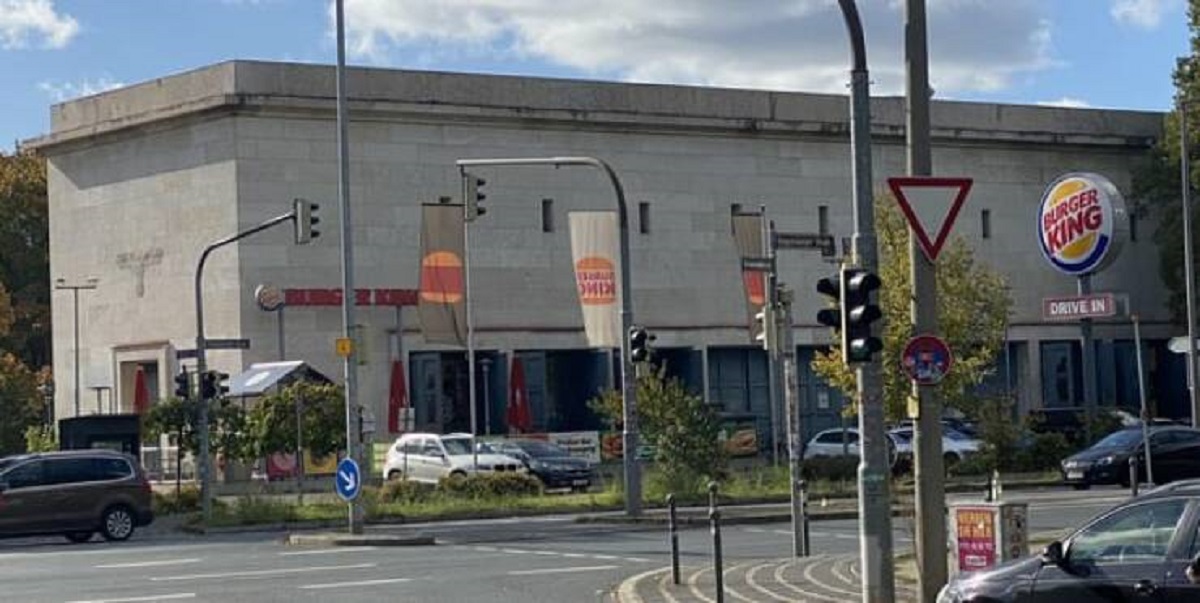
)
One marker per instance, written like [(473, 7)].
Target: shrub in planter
[(491, 485), (405, 491), (187, 501)]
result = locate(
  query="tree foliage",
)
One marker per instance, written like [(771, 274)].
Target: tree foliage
[(24, 258), (271, 424), (682, 428), (21, 403), (973, 309), (227, 427)]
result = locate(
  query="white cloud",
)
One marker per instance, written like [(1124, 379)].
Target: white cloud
[(1067, 102), (23, 20), (1146, 14), (975, 45), (65, 91)]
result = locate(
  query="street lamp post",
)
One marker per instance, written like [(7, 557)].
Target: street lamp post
[(87, 285), (47, 390), (1188, 264)]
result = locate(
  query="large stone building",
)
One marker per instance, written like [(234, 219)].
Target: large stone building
[(143, 177)]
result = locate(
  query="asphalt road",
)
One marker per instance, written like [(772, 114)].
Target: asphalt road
[(550, 559)]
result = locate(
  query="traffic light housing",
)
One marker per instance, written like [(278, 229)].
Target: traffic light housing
[(767, 335), (306, 220), (859, 313), (183, 385), (639, 344), (473, 196), (213, 385)]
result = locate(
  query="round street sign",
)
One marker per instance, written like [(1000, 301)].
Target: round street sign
[(269, 297), (926, 359), (347, 482)]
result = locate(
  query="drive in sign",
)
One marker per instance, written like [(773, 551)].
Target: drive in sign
[(1101, 305)]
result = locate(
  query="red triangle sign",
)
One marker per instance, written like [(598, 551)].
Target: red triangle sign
[(930, 205)]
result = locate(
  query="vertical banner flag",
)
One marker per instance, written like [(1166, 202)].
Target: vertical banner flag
[(747, 236), (441, 304), (594, 254)]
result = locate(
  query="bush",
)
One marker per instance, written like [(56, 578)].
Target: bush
[(493, 485), (186, 501), (253, 510), (833, 468), (1044, 452), (405, 491)]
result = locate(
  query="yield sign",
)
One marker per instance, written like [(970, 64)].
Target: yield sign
[(930, 205)]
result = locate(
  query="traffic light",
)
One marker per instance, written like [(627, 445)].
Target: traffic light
[(639, 344), (767, 331), (306, 220), (183, 385), (212, 385), (473, 195), (859, 312)]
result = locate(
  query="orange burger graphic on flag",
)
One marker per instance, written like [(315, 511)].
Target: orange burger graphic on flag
[(597, 281), (1081, 223), (441, 278)]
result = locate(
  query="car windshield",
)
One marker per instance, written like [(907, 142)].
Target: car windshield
[(457, 445), (1120, 439), (903, 436), (541, 449)]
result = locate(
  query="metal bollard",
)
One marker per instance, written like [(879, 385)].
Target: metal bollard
[(989, 494), (714, 519), (673, 529), (804, 542), (1133, 476)]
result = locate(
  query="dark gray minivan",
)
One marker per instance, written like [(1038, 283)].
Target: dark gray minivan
[(75, 493)]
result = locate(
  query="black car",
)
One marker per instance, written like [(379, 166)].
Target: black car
[(551, 463), (1174, 455), (1145, 549)]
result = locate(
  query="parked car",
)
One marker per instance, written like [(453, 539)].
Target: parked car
[(839, 442), (428, 457), (955, 446), (1144, 549), (551, 463), (1174, 455), (75, 493)]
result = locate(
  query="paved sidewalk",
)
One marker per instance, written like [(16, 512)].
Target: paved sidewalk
[(820, 579)]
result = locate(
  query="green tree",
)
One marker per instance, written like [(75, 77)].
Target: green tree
[(40, 438), (682, 428), (271, 424), (228, 433), (21, 404), (973, 309), (24, 258)]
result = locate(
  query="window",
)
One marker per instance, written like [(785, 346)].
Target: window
[(547, 215), (1134, 534), (112, 469), (835, 437), (70, 471), (985, 223), (644, 217), (823, 219), (24, 476)]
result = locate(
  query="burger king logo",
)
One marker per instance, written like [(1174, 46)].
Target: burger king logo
[(1081, 223), (441, 278), (597, 281), (755, 290)]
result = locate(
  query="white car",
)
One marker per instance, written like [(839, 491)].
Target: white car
[(955, 445), (428, 457), (842, 442)]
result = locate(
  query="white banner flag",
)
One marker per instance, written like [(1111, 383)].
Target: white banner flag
[(594, 254)]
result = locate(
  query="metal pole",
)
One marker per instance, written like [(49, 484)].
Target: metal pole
[(486, 364), (929, 473), (633, 481), (792, 406), (1137, 342), (1089, 364), (714, 520), (299, 468), (673, 531), (773, 369), (1185, 170), (470, 327), (874, 499), (75, 295), (1133, 476), (350, 362), (279, 327)]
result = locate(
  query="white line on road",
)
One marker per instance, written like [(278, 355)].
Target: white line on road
[(341, 549), (158, 563), (359, 583), (563, 570), (170, 597), (522, 552), (260, 573)]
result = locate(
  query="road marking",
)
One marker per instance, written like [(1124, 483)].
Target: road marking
[(521, 552), (170, 597), (341, 549), (612, 557), (563, 570), (637, 559), (149, 563), (261, 573), (359, 583), (574, 555), (492, 549)]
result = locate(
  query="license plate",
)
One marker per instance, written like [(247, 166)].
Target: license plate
[(579, 482), (1074, 475)]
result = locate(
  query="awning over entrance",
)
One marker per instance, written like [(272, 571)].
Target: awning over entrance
[(261, 377)]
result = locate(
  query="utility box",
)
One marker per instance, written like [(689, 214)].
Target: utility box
[(985, 534), (122, 433)]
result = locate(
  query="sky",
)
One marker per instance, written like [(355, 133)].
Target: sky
[(1078, 53)]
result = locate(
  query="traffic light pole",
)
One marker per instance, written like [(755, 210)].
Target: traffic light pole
[(929, 472), (202, 359), (792, 416), (874, 498)]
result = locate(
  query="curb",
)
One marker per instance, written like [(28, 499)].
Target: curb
[(357, 540)]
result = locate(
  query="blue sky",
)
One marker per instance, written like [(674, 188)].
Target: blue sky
[(1091, 53)]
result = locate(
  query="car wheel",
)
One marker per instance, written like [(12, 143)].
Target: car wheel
[(117, 523), (78, 537), (458, 475), (394, 475), (1083, 486)]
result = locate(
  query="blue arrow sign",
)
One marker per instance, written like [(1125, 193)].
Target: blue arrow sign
[(347, 482)]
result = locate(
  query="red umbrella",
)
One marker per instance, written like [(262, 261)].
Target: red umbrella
[(397, 397), (517, 413), (141, 394)]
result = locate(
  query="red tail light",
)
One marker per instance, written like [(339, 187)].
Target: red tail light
[(146, 486)]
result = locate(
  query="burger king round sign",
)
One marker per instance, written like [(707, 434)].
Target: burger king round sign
[(1081, 223)]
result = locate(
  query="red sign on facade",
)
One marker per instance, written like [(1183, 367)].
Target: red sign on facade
[(1101, 305), (362, 297)]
